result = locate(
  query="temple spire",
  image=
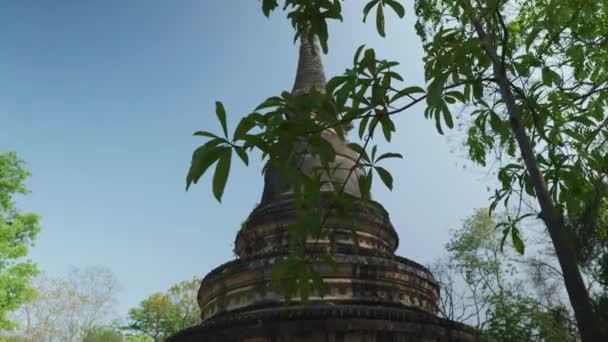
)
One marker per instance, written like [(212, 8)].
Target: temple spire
[(310, 69)]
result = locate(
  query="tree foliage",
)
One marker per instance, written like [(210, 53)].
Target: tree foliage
[(531, 74), (112, 334), (17, 233), (481, 286), (520, 318), (154, 317), (183, 296), (164, 314), (103, 334), (68, 308)]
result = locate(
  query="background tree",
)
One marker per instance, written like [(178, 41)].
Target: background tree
[(164, 314), (592, 253), (67, 309), (138, 338), (183, 296), (155, 317), (481, 286), (103, 334), (17, 233), (532, 73), (112, 334)]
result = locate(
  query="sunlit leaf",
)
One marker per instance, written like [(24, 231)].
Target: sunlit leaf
[(202, 158), (517, 241)]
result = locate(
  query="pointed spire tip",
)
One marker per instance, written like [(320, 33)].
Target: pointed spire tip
[(310, 72)]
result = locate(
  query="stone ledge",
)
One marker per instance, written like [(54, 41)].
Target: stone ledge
[(302, 319), (241, 262), (368, 213)]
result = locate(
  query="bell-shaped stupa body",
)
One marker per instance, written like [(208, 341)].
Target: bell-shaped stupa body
[(373, 295)]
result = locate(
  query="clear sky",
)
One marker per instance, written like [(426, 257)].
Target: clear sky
[(101, 99)]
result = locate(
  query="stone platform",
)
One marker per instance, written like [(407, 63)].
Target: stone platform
[(328, 323)]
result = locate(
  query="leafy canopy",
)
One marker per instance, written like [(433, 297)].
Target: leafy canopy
[(481, 286), (17, 232), (164, 314)]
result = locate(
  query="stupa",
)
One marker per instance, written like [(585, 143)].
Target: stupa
[(373, 295)]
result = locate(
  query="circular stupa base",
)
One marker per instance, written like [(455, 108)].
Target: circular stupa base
[(327, 323)]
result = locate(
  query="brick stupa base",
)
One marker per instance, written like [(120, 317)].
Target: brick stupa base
[(373, 295)]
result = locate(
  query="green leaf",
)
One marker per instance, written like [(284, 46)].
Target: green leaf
[(389, 155), (385, 83), (280, 270), (323, 148), (202, 158), (242, 128), (407, 92), (220, 177), (373, 125), (458, 95), (438, 122), (363, 126), (412, 90), (397, 7), (498, 125), (221, 116), (394, 75), (274, 101), (334, 83), (386, 176), (550, 77), (522, 69), (478, 89), (380, 20), (368, 8), (330, 261), (369, 60), (320, 29), (205, 134), (435, 89), (447, 117), (387, 126), (365, 185), (546, 74), (505, 233), (377, 94), (517, 242), (242, 153), (357, 54), (532, 36), (318, 284), (268, 6), (557, 79), (304, 283), (357, 148)]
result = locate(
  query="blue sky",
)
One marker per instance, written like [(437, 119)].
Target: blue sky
[(101, 99)]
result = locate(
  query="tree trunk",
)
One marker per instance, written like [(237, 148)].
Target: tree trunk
[(575, 286)]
